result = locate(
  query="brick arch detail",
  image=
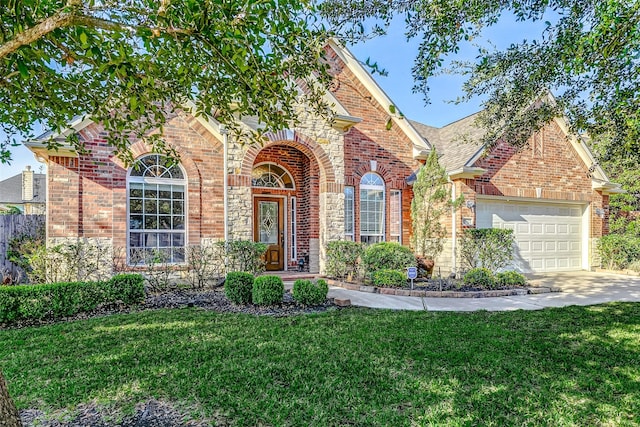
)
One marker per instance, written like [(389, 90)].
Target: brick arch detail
[(307, 146), (365, 168), (139, 149)]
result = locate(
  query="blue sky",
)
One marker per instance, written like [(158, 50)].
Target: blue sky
[(396, 55)]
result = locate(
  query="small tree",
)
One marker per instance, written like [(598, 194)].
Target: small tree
[(431, 200)]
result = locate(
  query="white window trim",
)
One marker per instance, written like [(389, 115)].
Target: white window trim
[(384, 203), (163, 181), (397, 193), (294, 230), (352, 220), (286, 172)]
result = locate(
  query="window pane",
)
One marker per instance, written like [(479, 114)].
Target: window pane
[(156, 206), (395, 207), (371, 208)]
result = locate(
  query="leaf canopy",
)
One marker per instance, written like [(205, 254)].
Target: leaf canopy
[(131, 64)]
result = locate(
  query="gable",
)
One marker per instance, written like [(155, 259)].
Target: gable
[(549, 161), (356, 90)]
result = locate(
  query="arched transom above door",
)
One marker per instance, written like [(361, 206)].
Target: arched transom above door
[(269, 175)]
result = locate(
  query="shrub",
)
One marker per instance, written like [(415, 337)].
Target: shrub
[(129, 288), (307, 292), (510, 278), (490, 248), (66, 299), (617, 251), (386, 278), (635, 266), (267, 290), (243, 255), (343, 258), (480, 277), (238, 287), (387, 256)]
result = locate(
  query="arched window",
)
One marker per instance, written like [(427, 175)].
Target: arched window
[(271, 176), (371, 208), (156, 206)]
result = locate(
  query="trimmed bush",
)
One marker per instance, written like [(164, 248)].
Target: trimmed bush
[(267, 290), (387, 256), (480, 277), (238, 287), (389, 278), (307, 292), (343, 259), (510, 278), (57, 300)]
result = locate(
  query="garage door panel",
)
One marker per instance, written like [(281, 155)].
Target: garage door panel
[(548, 236)]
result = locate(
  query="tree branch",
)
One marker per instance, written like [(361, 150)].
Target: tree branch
[(69, 18)]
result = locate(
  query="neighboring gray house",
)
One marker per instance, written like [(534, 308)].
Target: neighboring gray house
[(26, 191)]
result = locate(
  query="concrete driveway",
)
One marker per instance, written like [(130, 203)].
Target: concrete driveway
[(578, 288)]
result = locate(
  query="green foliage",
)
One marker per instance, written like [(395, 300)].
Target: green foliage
[(343, 259), (585, 52), (431, 201), (11, 210), (26, 242), (618, 251), (635, 266), (131, 65), (389, 256), (307, 292), (386, 278), (510, 278), (81, 260), (267, 290), (57, 300), (242, 255), (238, 287), (490, 248), (480, 277)]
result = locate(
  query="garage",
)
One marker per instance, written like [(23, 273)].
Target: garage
[(549, 236)]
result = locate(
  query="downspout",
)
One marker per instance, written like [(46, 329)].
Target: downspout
[(453, 229), (225, 161)]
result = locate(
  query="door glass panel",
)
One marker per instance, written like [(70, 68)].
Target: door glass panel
[(268, 222)]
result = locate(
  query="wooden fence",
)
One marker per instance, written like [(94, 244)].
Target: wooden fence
[(10, 227)]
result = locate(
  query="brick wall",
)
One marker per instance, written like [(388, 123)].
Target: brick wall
[(305, 175), (88, 194), (370, 140), (549, 163)]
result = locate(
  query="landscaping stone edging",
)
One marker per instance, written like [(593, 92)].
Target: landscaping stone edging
[(442, 294)]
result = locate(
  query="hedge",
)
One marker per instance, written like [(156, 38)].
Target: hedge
[(57, 300)]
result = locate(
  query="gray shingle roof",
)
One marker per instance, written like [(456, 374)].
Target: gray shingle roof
[(11, 189), (456, 143)]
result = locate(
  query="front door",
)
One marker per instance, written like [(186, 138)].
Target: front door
[(268, 220)]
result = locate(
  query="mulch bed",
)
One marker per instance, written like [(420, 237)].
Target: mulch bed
[(208, 299)]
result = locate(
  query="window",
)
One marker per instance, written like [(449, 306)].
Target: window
[(156, 211), (395, 206), (371, 208), (349, 202), (268, 175), (294, 252)]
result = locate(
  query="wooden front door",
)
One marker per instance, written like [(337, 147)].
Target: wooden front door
[(268, 228)]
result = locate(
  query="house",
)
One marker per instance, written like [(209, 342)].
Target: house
[(26, 191), (321, 182)]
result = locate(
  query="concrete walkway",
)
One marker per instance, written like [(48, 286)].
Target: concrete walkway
[(578, 288)]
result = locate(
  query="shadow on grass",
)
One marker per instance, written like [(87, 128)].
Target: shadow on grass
[(570, 366)]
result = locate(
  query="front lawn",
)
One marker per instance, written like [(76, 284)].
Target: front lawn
[(570, 366)]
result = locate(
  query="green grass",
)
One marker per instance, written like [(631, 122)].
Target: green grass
[(573, 366)]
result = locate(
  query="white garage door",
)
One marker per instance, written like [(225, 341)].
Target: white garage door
[(548, 236)]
